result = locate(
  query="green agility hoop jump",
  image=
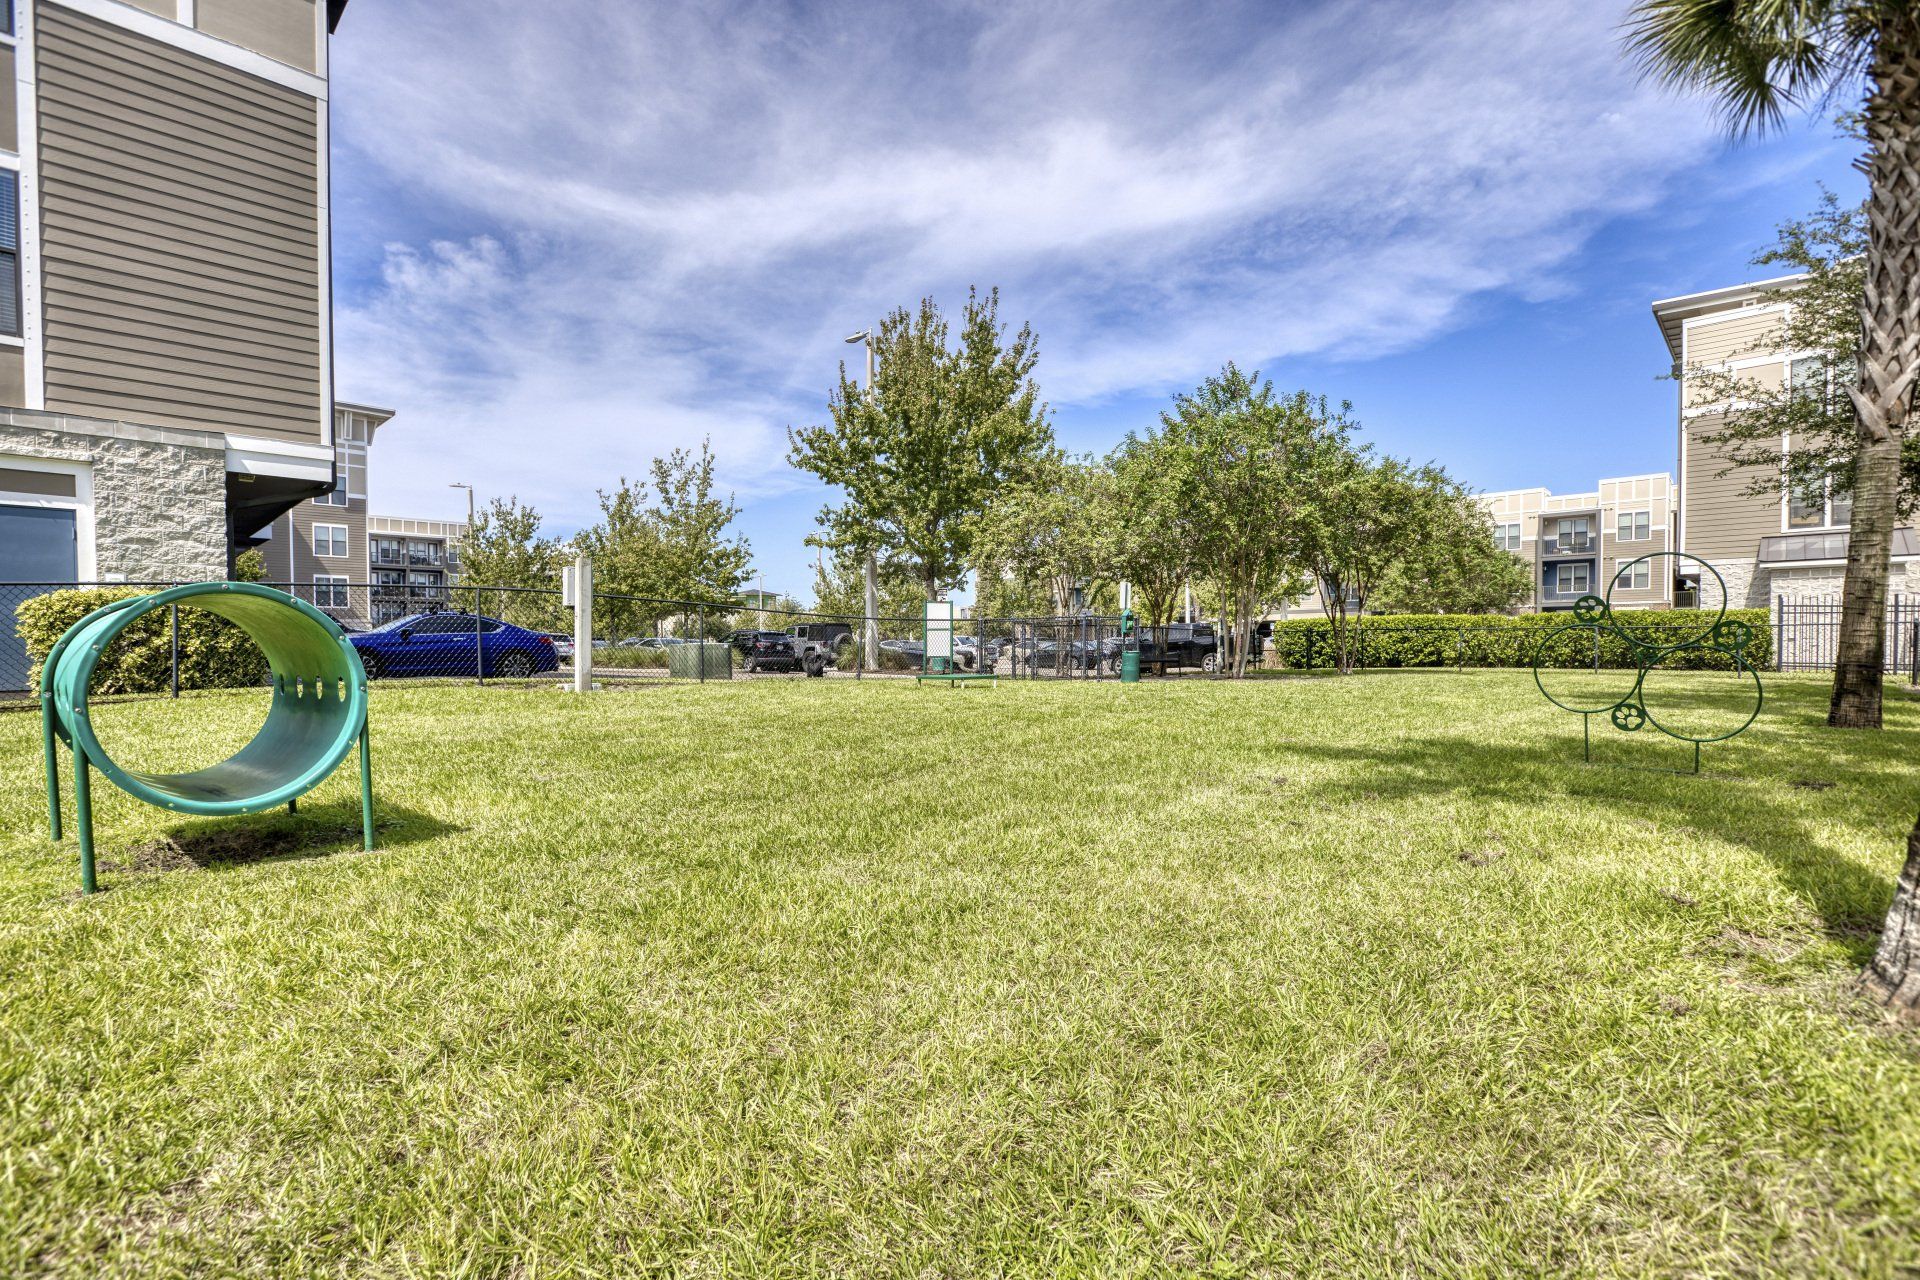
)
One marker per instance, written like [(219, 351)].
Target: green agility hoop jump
[(317, 715), (1630, 711)]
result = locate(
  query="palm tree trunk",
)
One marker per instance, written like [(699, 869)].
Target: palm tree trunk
[(1894, 976), (1890, 313), (1889, 360)]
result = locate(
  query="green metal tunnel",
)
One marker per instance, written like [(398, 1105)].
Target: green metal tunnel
[(317, 714)]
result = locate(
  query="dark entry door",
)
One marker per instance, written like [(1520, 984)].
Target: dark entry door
[(36, 546)]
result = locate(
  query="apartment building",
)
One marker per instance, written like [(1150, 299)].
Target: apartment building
[(1585, 543), (1763, 546), (411, 564), (322, 544), (165, 348)]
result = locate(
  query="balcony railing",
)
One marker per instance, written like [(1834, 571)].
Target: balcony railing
[(1570, 542)]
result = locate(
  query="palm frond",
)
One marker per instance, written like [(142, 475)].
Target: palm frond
[(1757, 57)]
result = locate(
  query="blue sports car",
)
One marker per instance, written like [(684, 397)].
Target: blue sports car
[(454, 644)]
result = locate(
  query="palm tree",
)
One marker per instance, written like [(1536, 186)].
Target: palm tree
[(1759, 57)]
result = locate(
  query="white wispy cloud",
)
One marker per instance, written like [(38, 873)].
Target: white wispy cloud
[(600, 230)]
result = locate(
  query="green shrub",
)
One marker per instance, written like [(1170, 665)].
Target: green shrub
[(214, 654), (1476, 640)]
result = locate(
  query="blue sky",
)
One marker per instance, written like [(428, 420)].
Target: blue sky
[(572, 235)]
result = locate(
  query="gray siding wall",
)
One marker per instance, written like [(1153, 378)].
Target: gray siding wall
[(180, 236)]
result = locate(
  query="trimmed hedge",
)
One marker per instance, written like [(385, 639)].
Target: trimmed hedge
[(1495, 640), (214, 654)]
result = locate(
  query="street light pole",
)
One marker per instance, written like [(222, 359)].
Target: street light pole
[(872, 567), (457, 484)]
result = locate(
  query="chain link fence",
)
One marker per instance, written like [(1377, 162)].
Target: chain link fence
[(486, 633)]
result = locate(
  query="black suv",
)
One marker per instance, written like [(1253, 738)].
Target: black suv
[(1178, 644)]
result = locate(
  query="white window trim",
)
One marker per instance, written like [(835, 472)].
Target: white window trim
[(85, 557), (346, 541), (331, 580)]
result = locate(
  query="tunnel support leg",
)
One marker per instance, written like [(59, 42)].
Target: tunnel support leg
[(83, 819), (366, 788), (50, 749)]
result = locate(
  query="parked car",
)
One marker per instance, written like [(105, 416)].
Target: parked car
[(782, 651), (454, 644), (1178, 644), (1069, 655), (744, 639), (966, 651), (562, 645)]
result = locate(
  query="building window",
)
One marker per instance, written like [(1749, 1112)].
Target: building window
[(1570, 579), (1817, 507), (329, 591), (1634, 526), (1634, 577), (9, 251), (1507, 536), (338, 498), (387, 551), (1573, 534), (330, 540)]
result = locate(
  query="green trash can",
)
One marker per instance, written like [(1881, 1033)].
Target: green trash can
[(1130, 666), (702, 660)]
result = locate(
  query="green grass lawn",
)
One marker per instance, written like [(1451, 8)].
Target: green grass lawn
[(1361, 977)]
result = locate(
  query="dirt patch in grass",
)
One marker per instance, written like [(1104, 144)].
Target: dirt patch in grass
[(229, 844)]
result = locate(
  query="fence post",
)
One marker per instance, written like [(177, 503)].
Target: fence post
[(479, 658), (173, 622), (582, 624), (700, 641), (1779, 633)]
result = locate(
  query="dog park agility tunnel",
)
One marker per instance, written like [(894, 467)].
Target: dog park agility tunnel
[(316, 715)]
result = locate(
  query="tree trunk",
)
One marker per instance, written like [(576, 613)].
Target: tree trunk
[(1890, 313), (1889, 360), (1894, 976)]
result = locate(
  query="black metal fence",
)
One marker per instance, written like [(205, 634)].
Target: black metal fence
[(479, 632), (1806, 634)]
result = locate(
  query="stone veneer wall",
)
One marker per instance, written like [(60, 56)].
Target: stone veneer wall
[(1750, 588), (159, 493)]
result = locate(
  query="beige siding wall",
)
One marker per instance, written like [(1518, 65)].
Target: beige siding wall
[(179, 236), (9, 102), (1723, 521), (285, 30), (13, 377), (1737, 336)]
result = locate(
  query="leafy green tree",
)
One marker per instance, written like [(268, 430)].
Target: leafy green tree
[(669, 541), (504, 548), (1151, 535), (250, 566), (1359, 519), (920, 454), (1051, 529), (1758, 58), (839, 588), (1453, 566), (1231, 452)]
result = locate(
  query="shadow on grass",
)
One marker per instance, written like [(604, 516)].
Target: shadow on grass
[(316, 831), (1780, 818)]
